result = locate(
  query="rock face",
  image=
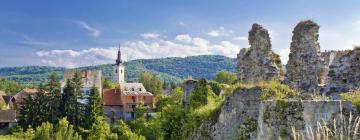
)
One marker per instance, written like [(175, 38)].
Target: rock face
[(258, 62), (305, 68), (343, 71), (245, 116), (188, 86)]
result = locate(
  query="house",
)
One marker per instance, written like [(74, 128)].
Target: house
[(7, 118), (120, 103), (88, 79), (8, 100)]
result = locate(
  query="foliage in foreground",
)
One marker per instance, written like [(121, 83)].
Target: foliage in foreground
[(341, 129), (47, 131), (353, 96)]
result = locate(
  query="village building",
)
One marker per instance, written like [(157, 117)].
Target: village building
[(7, 99), (7, 118), (21, 95), (7, 113), (89, 78), (120, 103)]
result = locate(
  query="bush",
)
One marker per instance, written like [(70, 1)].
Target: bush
[(353, 96)]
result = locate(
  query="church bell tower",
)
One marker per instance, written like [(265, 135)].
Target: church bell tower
[(119, 71)]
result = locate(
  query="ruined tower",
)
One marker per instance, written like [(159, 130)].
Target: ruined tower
[(258, 62), (305, 68)]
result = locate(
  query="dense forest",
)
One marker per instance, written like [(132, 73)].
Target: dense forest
[(168, 69)]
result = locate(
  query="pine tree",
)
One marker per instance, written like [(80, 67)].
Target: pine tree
[(68, 102), (40, 107), (78, 95), (55, 97), (26, 113), (93, 107)]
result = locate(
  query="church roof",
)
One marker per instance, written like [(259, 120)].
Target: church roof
[(114, 96), (119, 60)]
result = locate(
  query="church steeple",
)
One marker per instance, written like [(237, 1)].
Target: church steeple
[(119, 60), (119, 71)]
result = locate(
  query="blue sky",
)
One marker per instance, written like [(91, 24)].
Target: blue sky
[(71, 33)]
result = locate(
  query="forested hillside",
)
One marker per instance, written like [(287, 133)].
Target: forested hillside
[(169, 69)]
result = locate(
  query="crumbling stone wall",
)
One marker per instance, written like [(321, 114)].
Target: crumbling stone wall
[(244, 116), (276, 118), (343, 71), (258, 62), (305, 69)]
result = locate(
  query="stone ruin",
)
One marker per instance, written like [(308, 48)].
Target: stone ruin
[(308, 70), (258, 62), (305, 68), (245, 115)]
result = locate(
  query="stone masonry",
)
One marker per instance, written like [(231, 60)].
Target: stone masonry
[(244, 116), (258, 62), (305, 68)]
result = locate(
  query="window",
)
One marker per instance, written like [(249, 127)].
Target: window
[(133, 98), (132, 89), (139, 89)]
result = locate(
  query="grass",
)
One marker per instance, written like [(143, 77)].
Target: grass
[(271, 90), (345, 128), (353, 96)]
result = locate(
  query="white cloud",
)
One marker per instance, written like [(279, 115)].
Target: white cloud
[(240, 38), (221, 31), (141, 49), (93, 32), (284, 55), (150, 35), (183, 37), (181, 23)]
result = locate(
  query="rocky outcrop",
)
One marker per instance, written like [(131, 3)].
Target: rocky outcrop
[(305, 69), (258, 62), (244, 116), (343, 71)]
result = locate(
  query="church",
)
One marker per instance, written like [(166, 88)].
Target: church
[(120, 103)]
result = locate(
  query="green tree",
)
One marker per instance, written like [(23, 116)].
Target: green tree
[(215, 87), (171, 121), (26, 112), (107, 84), (65, 131), (71, 108), (199, 96), (55, 97), (93, 107), (61, 131), (44, 132), (100, 130), (140, 110), (226, 77), (123, 132), (69, 101), (40, 107), (9, 86), (152, 83)]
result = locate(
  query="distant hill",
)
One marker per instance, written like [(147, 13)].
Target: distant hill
[(171, 69)]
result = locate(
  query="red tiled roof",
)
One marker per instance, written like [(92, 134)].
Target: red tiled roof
[(112, 97)]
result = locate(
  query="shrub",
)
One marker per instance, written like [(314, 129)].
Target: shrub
[(353, 96)]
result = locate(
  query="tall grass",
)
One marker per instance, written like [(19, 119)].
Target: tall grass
[(345, 128)]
